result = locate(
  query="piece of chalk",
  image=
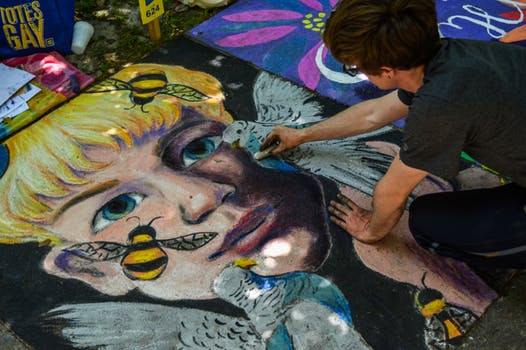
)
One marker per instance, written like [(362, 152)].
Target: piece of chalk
[(266, 152)]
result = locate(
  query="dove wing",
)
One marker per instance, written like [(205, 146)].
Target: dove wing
[(279, 101), (348, 162), (130, 326)]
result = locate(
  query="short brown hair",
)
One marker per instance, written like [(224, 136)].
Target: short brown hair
[(401, 34)]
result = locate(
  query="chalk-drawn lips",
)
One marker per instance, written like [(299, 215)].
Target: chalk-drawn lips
[(250, 222)]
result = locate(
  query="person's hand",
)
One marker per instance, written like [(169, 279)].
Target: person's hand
[(352, 218), (285, 138)]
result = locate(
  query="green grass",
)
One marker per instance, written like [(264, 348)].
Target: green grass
[(131, 40)]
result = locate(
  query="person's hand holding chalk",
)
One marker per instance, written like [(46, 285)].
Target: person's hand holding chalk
[(264, 153), (278, 140)]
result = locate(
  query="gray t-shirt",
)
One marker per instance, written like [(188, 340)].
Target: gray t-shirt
[(473, 99)]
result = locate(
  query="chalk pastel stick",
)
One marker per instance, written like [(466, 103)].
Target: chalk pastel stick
[(266, 152)]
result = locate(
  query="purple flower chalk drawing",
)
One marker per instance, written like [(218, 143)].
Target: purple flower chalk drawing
[(300, 27)]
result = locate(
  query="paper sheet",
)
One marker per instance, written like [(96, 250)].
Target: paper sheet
[(12, 80), (18, 103)]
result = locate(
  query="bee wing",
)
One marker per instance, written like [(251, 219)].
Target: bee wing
[(192, 241), (446, 331), (464, 317), (110, 84), (184, 92), (97, 251)]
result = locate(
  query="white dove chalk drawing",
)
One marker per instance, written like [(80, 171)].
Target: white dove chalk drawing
[(303, 308), (347, 161), (300, 311)]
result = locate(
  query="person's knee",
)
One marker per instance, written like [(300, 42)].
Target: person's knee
[(417, 226)]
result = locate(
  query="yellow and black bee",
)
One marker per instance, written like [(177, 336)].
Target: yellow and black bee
[(446, 324), (142, 256), (146, 85)]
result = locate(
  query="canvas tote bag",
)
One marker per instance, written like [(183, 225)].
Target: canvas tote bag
[(35, 26)]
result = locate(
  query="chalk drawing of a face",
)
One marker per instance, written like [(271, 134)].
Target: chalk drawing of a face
[(191, 183), (81, 174)]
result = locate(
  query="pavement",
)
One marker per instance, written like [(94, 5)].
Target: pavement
[(503, 326), (9, 340)]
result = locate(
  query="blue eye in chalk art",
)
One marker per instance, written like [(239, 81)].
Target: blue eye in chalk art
[(200, 149), (116, 209)]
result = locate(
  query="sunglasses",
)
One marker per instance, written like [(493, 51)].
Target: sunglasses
[(352, 69)]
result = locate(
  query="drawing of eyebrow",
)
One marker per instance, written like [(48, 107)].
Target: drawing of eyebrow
[(99, 188)]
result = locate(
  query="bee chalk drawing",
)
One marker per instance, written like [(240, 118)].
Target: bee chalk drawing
[(446, 324), (144, 87), (143, 257)]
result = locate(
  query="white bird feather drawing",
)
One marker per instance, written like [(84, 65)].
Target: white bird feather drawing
[(300, 311), (134, 326), (348, 161), (310, 309)]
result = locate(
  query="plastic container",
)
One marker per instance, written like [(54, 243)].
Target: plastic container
[(82, 33)]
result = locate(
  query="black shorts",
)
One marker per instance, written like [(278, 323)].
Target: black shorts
[(484, 227)]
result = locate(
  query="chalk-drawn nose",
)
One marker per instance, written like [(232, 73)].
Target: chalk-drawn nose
[(198, 206)]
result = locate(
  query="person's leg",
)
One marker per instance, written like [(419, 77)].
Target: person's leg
[(485, 227)]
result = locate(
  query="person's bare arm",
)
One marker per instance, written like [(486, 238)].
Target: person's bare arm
[(358, 119), (389, 199)]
